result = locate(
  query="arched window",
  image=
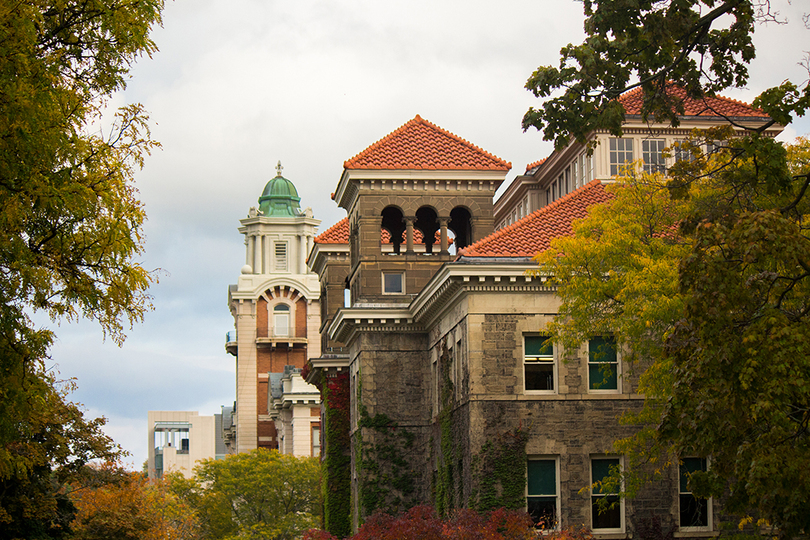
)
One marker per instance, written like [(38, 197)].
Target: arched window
[(281, 320), (392, 222), (427, 223), (460, 224)]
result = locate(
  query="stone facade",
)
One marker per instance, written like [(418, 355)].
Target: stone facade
[(450, 402)]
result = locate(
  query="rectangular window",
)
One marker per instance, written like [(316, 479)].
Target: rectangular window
[(316, 440), (567, 188), (281, 256), (603, 364), (541, 492), (393, 283), (606, 507), (694, 512), (538, 363), (575, 173), (652, 153), (621, 152), (680, 153)]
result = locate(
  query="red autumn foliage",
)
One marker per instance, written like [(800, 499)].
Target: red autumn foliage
[(421, 523)]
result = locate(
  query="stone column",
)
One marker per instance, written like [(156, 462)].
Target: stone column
[(302, 254), (444, 243), (250, 247), (409, 235), (257, 254), (247, 414)]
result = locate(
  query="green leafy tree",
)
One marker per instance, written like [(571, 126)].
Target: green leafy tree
[(71, 227), (256, 495), (704, 276)]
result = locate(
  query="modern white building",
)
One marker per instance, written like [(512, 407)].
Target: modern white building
[(177, 440)]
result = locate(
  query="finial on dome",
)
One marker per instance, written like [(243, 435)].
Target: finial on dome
[(279, 168)]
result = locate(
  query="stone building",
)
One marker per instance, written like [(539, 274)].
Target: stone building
[(276, 310), (453, 394)]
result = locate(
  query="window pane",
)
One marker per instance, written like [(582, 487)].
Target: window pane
[(539, 375), (652, 155), (542, 477), (601, 349), (537, 346), (602, 376), (601, 469), (392, 283), (543, 511), (281, 307), (694, 511), (603, 365), (610, 518)]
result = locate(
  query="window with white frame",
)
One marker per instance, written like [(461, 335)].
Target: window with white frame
[(607, 508), (538, 364), (542, 502), (316, 440), (694, 512), (575, 174), (621, 152), (652, 153), (393, 283), (588, 168), (281, 256), (603, 364), (281, 320)]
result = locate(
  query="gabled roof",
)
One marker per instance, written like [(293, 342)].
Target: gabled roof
[(534, 233), (717, 106), (419, 144), (339, 234)]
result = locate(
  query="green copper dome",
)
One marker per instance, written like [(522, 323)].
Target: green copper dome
[(279, 198)]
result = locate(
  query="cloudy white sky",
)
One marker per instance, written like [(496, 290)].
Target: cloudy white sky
[(241, 84)]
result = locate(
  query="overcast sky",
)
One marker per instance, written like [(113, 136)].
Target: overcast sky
[(239, 85)]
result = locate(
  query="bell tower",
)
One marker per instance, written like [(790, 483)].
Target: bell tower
[(413, 198)]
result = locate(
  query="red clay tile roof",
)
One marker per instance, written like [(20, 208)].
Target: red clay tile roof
[(336, 234), (534, 233), (632, 101), (339, 234), (534, 164), (419, 144)]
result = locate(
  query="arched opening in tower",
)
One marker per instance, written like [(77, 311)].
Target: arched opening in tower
[(427, 222), (393, 222), (461, 225)]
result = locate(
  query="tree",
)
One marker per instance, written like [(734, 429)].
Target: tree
[(71, 225), (422, 523), (260, 494), (128, 506), (704, 276)]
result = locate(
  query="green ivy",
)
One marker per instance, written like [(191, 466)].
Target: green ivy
[(500, 477), (336, 479), (445, 479), (386, 477)]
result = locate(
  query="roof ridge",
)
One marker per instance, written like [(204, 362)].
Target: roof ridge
[(463, 141)]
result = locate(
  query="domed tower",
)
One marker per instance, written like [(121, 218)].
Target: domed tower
[(275, 305)]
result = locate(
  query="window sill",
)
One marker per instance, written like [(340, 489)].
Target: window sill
[(695, 533), (612, 535)]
